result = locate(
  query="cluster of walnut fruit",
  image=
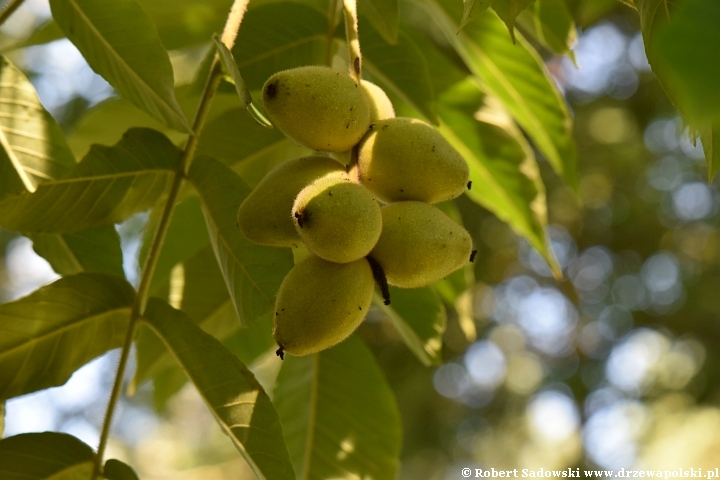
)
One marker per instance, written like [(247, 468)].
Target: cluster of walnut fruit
[(370, 221)]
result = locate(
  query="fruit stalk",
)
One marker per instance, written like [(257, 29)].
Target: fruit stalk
[(353, 40), (229, 35)]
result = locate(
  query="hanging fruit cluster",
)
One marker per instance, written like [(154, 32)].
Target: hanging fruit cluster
[(335, 209)]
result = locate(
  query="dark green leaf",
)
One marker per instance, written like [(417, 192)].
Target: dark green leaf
[(252, 273), (33, 149), (109, 185), (166, 384), (505, 177), (120, 42), (508, 10), (419, 317), (117, 470), (43, 456), (235, 398), (384, 16), (400, 68), (52, 332), (517, 76), (471, 9), (689, 46), (92, 250), (279, 36), (339, 414), (182, 23)]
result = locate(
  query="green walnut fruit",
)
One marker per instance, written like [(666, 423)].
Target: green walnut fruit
[(381, 107), (320, 304), (337, 219), (419, 244), (318, 107), (407, 159), (265, 215)]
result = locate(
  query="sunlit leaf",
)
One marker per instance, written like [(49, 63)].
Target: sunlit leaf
[(92, 250), (279, 36), (52, 332), (400, 68), (710, 137), (339, 416), (517, 76), (232, 394), (252, 273), (383, 15), (419, 317), (120, 42), (33, 149), (109, 185), (43, 456), (504, 174), (117, 470)]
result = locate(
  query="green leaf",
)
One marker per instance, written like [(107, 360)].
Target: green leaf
[(120, 42), (235, 398), (44, 33), (2, 418), (186, 236), (33, 149), (400, 68), (508, 10), (471, 9), (202, 295), (109, 185), (252, 273), (106, 122), (689, 45), (420, 318), (166, 384), (279, 36), (505, 177), (44, 456), (339, 414), (228, 62), (182, 23), (517, 76), (55, 330), (117, 470), (384, 16), (551, 24), (92, 250)]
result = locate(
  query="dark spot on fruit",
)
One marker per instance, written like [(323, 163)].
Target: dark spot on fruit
[(402, 191), (280, 352), (433, 149), (470, 185), (472, 255), (372, 125), (307, 84), (277, 314), (359, 308), (347, 126), (356, 66), (330, 192), (271, 90), (351, 108), (385, 126), (300, 217)]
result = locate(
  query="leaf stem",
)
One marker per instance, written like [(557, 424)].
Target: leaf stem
[(353, 40), (9, 9), (229, 35), (333, 19)]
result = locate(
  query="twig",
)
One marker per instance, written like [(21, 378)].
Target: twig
[(9, 9), (228, 37)]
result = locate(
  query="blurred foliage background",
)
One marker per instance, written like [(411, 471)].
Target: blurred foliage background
[(618, 365)]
